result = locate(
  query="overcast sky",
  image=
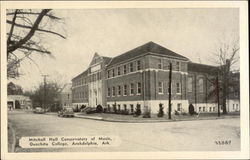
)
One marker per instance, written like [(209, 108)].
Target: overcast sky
[(193, 33)]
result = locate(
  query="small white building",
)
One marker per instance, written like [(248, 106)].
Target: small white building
[(18, 102)]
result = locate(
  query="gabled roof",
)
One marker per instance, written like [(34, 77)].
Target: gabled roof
[(146, 48), (203, 68), (106, 59)]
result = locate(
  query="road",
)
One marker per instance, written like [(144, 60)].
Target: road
[(163, 136)]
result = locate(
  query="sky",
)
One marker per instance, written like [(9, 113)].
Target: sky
[(193, 33)]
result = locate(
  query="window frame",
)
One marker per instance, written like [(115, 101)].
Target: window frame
[(160, 87)]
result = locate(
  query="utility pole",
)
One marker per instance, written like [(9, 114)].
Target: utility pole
[(44, 89), (169, 91), (218, 94)]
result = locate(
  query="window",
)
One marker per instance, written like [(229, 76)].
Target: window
[(125, 107), (124, 69), (108, 73), (113, 72), (177, 66), (237, 107), (119, 90), (233, 106), (200, 85), (139, 65), (131, 89), (178, 88), (160, 87), (204, 109), (68, 96), (159, 63), (119, 107), (199, 109), (125, 90), (131, 108), (131, 67), (109, 92), (213, 108), (138, 88), (190, 84), (119, 71), (113, 91), (179, 107), (210, 109)]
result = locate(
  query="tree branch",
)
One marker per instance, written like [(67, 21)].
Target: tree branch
[(12, 26), (33, 13), (41, 30), (31, 32), (34, 49)]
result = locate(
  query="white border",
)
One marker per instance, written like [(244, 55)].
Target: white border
[(244, 76)]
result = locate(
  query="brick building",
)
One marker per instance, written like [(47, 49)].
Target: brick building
[(139, 77)]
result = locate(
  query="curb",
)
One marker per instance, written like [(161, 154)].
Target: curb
[(148, 121), (13, 145)]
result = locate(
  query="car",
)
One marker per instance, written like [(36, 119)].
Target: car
[(66, 112), (39, 110)]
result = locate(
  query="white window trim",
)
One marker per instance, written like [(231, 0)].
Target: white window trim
[(162, 86)]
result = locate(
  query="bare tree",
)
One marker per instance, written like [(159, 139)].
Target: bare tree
[(226, 57), (24, 36)]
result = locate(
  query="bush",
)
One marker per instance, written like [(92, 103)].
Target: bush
[(184, 113), (99, 109), (176, 112), (137, 111), (161, 112), (124, 112), (191, 109), (147, 114)]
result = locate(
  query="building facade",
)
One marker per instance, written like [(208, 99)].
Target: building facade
[(140, 78), (18, 102), (65, 95)]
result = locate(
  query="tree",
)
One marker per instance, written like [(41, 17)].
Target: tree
[(14, 89), (51, 100), (26, 27), (226, 57)]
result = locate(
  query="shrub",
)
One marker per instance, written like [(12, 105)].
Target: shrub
[(191, 109), (161, 112), (137, 111), (99, 109), (184, 113), (176, 112), (147, 114)]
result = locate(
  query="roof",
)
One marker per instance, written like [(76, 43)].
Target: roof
[(146, 48), (106, 59), (197, 67), (85, 73)]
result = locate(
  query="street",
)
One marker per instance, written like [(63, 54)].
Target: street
[(202, 135)]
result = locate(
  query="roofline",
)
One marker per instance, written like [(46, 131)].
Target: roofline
[(147, 53)]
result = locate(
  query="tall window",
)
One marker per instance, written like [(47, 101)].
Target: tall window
[(125, 107), (179, 107), (131, 108), (119, 107), (109, 92), (139, 65), (160, 87), (177, 66), (125, 90), (132, 88), (200, 85), (190, 84), (131, 67), (118, 71), (159, 63), (138, 88), (108, 73), (178, 88), (113, 91), (119, 90), (113, 72), (124, 69)]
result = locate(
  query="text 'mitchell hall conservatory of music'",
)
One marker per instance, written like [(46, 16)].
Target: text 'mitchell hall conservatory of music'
[(140, 77)]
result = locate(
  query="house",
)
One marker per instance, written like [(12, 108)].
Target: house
[(18, 102), (140, 78), (65, 96)]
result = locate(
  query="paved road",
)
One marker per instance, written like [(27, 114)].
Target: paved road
[(163, 136)]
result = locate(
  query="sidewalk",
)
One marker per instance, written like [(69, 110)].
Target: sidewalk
[(131, 119)]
